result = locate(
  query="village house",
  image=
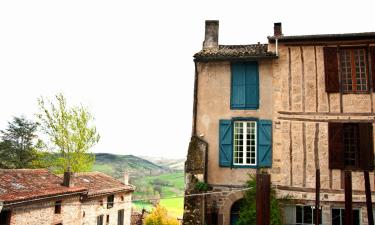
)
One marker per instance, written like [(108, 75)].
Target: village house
[(38, 197), (291, 106)]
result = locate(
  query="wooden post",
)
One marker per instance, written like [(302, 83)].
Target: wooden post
[(263, 198), (348, 198), (368, 198), (317, 196)]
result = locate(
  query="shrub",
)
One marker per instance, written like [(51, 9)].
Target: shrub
[(201, 186), (159, 216), (248, 209)]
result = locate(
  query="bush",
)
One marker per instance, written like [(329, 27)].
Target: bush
[(248, 209), (201, 186), (159, 216)]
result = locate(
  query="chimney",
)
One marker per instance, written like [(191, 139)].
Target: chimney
[(211, 37), (277, 30), (68, 178), (126, 177)]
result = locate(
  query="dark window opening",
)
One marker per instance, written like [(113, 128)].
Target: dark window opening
[(338, 217), (307, 215), (5, 217), (58, 207), (101, 202), (110, 201), (107, 221), (99, 220)]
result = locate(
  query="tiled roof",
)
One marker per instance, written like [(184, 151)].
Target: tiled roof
[(325, 37), (99, 183), (28, 184), (235, 51)]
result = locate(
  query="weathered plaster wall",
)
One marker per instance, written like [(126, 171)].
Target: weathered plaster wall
[(214, 104)]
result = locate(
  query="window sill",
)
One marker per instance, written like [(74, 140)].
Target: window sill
[(244, 108)]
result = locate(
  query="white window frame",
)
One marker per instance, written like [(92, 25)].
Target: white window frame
[(342, 213), (244, 142)]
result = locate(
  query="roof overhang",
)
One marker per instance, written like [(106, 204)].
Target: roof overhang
[(324, 37), (233, 58)]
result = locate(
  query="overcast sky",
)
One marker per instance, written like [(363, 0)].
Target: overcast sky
[(131, 62)]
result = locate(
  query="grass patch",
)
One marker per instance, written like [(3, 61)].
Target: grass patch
[(175, 206)]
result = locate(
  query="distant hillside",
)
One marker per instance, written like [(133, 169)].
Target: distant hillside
[(115, 165), (173, 164)]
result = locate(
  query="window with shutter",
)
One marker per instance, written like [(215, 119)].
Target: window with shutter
[(351, 146), (99, 220), (245, 142), (244, 86), (352, 65)]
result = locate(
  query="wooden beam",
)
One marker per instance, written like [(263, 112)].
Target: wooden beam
[(317, 196), (348, 198), (368, 198)]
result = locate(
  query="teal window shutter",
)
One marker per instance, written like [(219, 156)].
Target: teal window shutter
[(244, 86), (264, 143), (225, 143)]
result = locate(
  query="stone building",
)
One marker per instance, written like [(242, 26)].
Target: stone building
[(38, 197), (291, 106)]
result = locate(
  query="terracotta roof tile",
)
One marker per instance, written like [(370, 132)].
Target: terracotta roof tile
[(99, 183), (27, 184), (235, 51)]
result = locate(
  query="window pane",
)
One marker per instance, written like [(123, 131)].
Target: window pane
[(299, 212), (244, 143), (307, 215), (336, 218)]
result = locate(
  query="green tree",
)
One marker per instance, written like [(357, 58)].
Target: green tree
[(70, 133), (248, 208), (18, 147), (159, 216)]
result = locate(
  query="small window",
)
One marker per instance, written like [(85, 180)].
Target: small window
[(101, 202), (110, 201), (338, 216), (301, 214), (122, 198), (58, 207), (99, 220), (353, 70), (120, 217), (245, 143), (107, 221)]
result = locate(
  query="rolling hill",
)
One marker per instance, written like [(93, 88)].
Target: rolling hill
[(115, 165)]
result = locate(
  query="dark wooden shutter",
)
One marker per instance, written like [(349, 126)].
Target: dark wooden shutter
[(225, 143), (335, 146), (372, 65), (331, 70), (265, 143), (366, 155)]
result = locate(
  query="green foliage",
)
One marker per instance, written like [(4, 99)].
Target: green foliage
[(159, 216), (19, 145), (248, 209), (201, 186), (70, 133)]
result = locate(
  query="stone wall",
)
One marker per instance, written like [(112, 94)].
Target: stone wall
[(195, 170), (73, 212), (93, 208), (44, 213)]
